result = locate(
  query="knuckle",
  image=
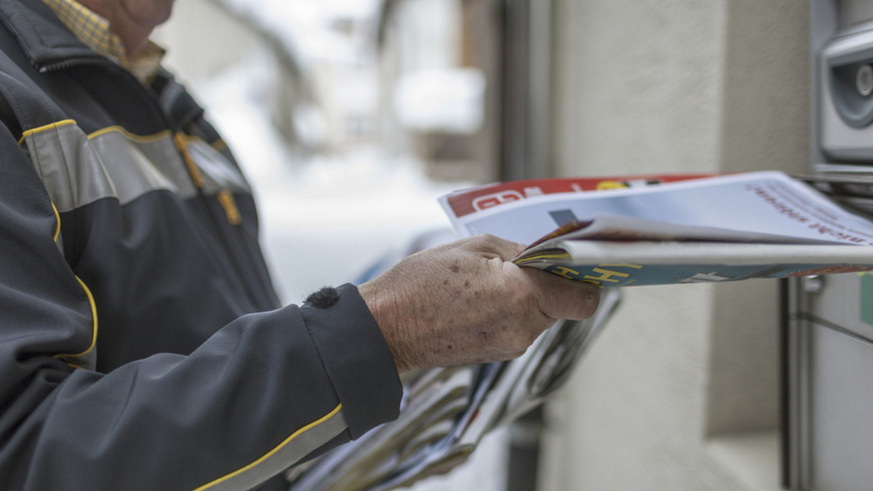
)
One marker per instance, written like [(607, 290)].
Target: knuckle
[(482, 239), (516, 354), (508, 343), (491, 244), (520, 340), (526, 296)]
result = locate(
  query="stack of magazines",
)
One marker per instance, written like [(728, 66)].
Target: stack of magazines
[(446, 411)]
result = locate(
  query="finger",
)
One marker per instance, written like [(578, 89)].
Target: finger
[(560, 298), (505, 249)]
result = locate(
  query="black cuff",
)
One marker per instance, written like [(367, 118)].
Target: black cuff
[(356, 359)]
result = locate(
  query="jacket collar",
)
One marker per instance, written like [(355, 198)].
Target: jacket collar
[(48, 43), (42, 36)]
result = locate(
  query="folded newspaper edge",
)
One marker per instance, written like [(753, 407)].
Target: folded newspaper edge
[(608, 264)]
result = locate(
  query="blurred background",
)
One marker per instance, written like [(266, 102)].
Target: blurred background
[(352, 116)]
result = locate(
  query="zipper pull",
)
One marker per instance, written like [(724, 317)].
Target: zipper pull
[(182, 145), (229, 205), (225, 198)]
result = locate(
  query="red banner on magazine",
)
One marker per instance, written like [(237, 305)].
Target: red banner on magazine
[(478, 199)]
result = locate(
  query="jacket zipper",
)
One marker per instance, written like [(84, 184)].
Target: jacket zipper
[(62, 65)]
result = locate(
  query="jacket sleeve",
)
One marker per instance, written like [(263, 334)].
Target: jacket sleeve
[(264, 392)]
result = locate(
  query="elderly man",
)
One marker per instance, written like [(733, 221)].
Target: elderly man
[(119, 202)]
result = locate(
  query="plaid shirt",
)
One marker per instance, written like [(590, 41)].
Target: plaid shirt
[(94, 31)]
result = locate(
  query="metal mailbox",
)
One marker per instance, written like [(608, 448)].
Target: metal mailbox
[(828, 342)]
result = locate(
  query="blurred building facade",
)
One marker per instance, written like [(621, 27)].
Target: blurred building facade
[(682, 390), (318, 70), (439, 80)]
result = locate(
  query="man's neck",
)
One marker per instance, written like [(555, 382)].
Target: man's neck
[(132, 29)]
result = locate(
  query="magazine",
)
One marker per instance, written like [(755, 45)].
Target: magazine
[(655, 230)]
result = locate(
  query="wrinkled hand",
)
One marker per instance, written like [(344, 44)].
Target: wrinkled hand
[(465, 302)]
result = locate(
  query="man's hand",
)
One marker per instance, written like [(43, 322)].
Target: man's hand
[(465, 302)]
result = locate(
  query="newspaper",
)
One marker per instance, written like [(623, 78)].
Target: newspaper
[(658, 230)]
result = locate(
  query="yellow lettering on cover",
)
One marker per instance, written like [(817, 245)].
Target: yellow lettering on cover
[(621, 265), (610, 185), (565, 272), (606, 275)]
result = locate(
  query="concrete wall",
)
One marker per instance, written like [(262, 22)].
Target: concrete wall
[(681, 391)]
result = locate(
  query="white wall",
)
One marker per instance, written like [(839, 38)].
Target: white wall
[(681, 391)]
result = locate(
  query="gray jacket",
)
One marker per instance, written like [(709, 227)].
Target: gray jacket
[(141, 343)]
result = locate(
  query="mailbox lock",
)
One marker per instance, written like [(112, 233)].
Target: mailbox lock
[(864, 80), (851, 90)]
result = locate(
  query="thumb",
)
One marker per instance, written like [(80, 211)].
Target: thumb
[(561, 298)]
